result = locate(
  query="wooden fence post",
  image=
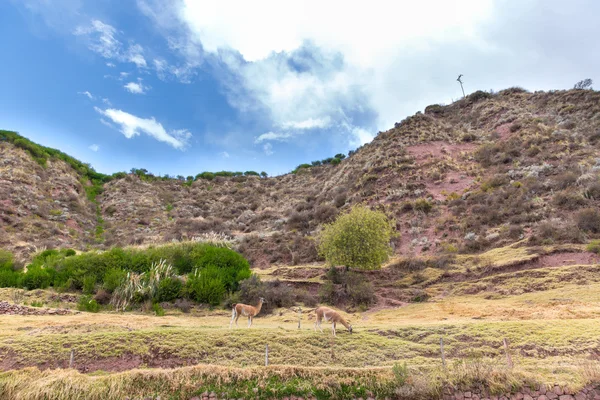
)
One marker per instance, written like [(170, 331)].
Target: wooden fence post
[(267, 355), (299, 316), (71, 359), (508, 358), (442, 352)]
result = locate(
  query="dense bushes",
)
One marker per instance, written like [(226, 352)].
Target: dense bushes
[(206, 286), (134, 275), (169, 289)]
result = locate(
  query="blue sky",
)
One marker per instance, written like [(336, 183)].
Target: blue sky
[(184, 86)]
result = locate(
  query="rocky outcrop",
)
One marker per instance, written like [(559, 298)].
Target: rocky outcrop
[(14, 309)]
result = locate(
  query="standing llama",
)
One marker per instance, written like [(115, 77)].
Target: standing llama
[(328, 314), (245, 310)]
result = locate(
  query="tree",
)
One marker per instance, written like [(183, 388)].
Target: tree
[(584, 84), (264, 174), (358, 239)]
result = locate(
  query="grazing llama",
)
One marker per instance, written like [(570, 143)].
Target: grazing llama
[(245, 310), (328, 314)]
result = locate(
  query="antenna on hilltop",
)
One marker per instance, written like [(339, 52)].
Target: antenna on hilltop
[(461, 84)]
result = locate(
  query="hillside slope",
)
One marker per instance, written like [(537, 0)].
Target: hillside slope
[(481, 173)]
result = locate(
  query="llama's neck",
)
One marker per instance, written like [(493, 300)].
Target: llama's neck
[(259, 306), (343, 322)]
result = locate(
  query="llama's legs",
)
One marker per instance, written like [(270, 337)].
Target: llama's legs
[(233, 315)]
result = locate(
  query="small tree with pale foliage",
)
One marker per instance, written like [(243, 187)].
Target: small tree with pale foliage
[(358, 239)]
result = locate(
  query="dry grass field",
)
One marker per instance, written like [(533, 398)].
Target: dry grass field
[(547, 313)]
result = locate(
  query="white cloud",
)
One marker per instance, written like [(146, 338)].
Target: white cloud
[(224, 154), (361, 136), (94, 147), (282, 137), (268, 148), (308, 123), (88, 94), (101, 38), (136, 87), (342, 66), (105, 122), (106, 101), (132, 125), (135, 55)]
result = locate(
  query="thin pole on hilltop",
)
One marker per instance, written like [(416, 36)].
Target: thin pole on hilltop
[(461, 84)]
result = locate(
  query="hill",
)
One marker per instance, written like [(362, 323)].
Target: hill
[(481, 173)]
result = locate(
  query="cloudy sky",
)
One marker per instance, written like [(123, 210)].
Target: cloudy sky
[(184, 86)]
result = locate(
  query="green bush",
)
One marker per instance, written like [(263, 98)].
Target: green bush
[(70, 252), (89, 284), (232, 267), (36, 278), (401, 373), (206, 286), (169, 289), (422, 205), (209, 176), (358, 239), (113, 278), (86, 303), (8, 278), (594, 246), (158, 310), (6, 259)]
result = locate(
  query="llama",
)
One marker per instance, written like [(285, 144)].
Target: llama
[(245, 310)]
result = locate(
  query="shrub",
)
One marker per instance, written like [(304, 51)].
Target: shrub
[(569, 200), (158, 310), (422, 205), (102, 297), (358, 239), (515, 127), (589, 220), (231, 266), (8, 278), (70, 252), (299, 220), (401, 373), (89, 284), (206, 175), (552, 231), (113, 278), (585, 84), (36, 278), (593, 191), (340, 200), (300, 167), (479, 95), (169, 289), (205, 286), (86, 303), (594, 246), (565, 180), (346, 287), (6, 259), (325, 213)]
